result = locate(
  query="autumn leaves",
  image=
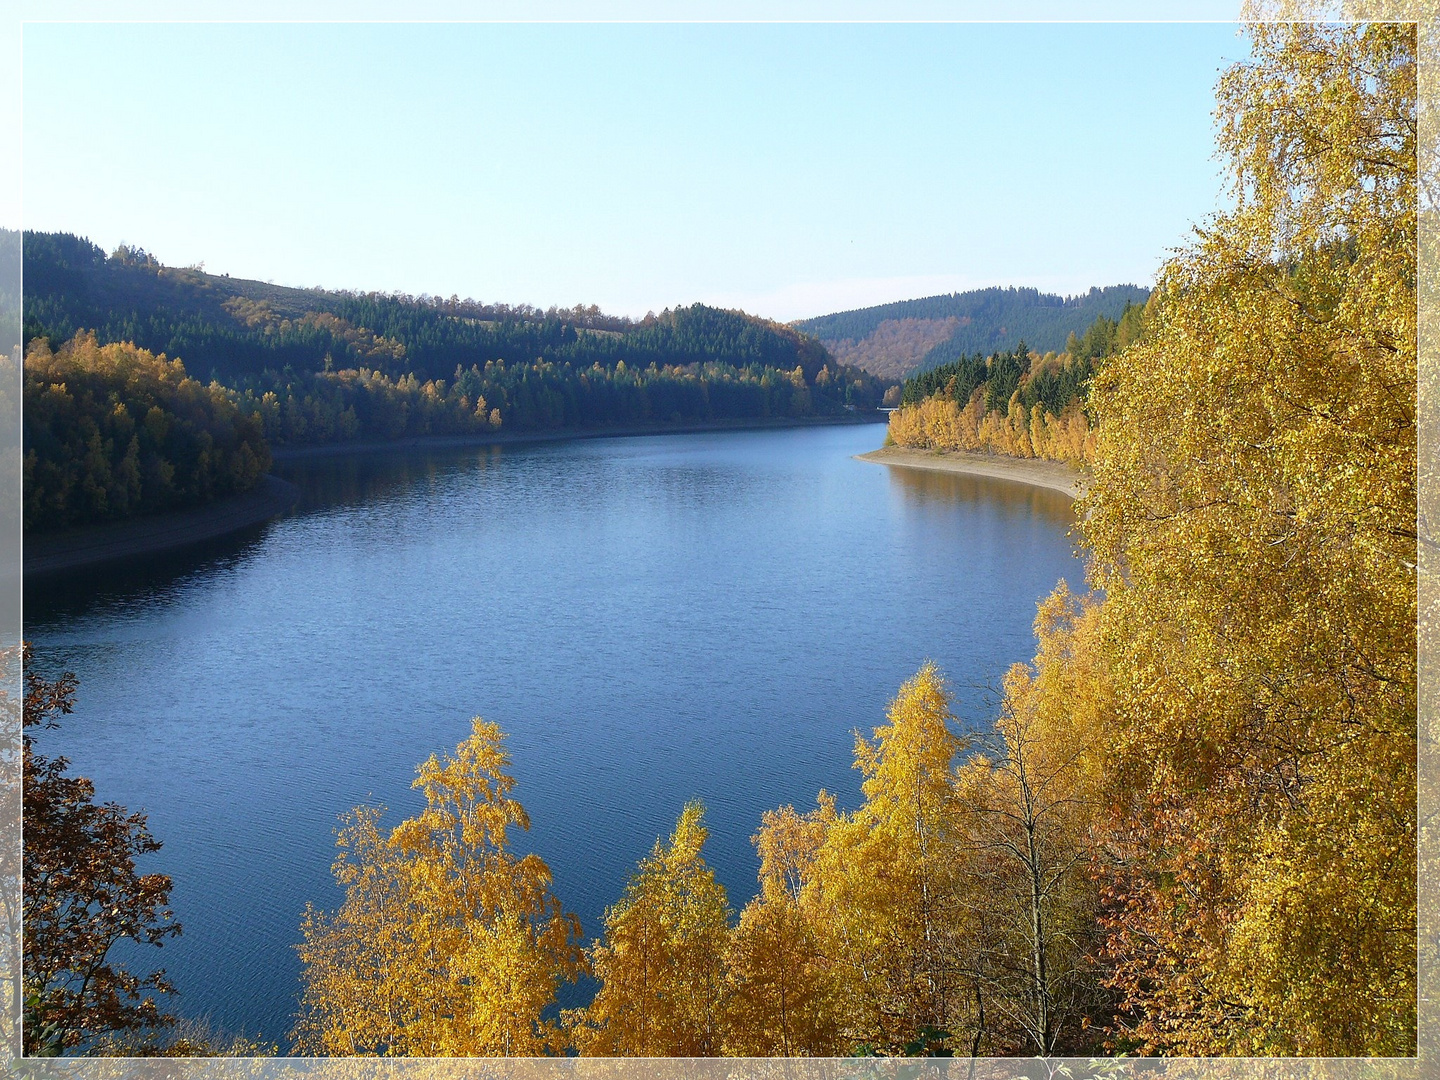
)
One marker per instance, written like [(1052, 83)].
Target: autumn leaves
[(114, 430), (1253, 523), (1193, 830), (448, 944), (946, 893), (661, 962), (951, 912)]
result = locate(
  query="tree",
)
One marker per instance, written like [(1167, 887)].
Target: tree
[(880, 890), (447, 944), (661, 962), (781, 996), (113, 431), (1252, 522), (1025, 808), (82, 895)]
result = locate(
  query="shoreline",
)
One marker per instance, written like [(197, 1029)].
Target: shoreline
[(1055, 475), (521, 438), (49, 555)]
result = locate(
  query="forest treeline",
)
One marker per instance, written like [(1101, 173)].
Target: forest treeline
[(309, 366), (911, 336), (112, 430), (1018, 403), (1191, 829), (539, 395), (559, 367), (86, 459), (231, 330)]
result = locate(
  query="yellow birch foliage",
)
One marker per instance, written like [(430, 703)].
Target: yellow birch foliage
[(661, 962), (880, 891), (448, 944), (781, 1000), (1026, 812), (941, 423), (1252, 521)]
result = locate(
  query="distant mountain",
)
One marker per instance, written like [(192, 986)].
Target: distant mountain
[(897, 340)]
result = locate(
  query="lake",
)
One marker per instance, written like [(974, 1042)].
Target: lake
[(648, 619)]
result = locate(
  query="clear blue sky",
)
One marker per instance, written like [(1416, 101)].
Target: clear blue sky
[(791, 170)]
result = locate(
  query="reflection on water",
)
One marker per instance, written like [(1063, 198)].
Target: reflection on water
[(933, 485), (347, 480), (118, 585), (649, 620)]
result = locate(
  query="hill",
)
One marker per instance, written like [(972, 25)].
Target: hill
[(232, 329), (894, 341), (327, 352), (135, 370)]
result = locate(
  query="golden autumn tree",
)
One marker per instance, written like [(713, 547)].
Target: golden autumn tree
[(880, 890), (1026, 810), (1252, 522), (448, 943), (781, 997), (115, 430), (661, 961)]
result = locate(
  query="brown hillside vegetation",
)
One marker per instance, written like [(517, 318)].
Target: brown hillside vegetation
[(896, 346)]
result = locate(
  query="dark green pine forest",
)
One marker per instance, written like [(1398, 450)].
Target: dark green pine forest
[(1013, 372)]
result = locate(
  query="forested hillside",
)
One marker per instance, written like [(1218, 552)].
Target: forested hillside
[(896, 340), (1019, 403), (312, 366), (1192, 824), (112, 431), (244, 333)]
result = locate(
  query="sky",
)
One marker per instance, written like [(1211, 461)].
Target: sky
[(789, 170)]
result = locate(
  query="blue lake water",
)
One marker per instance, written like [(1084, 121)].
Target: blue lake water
[(648, 619)]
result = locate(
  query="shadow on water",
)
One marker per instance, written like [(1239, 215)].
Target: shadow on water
[(76, 593), (931, 486), (327, 481)]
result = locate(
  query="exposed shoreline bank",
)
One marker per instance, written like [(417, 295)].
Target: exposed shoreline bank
[(1054, 475), (80, 549), (520, 438)]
